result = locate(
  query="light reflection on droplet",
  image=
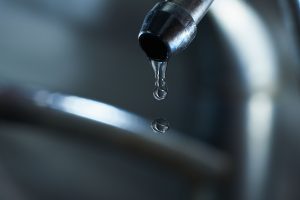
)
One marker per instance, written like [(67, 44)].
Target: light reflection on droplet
[(160, 125), (161, 90)]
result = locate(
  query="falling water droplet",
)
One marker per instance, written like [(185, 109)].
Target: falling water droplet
[(160, 125), (161, 90)]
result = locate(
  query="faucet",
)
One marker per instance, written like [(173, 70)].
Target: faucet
[(258, 94), (170, 26)]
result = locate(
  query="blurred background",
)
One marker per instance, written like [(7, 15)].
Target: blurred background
[(234, 93)]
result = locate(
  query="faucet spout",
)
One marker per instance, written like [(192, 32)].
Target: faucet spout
[(170, 26)]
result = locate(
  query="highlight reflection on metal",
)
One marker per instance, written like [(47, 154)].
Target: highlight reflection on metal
[(170, 26), (192, 157), (91, 109), (250, 40), (260, 120), (252, 44)]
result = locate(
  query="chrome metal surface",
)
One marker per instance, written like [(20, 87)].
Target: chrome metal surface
[(99, 120), (170, 26), (259, 63), (236, 88), (259, 67), (196, 8)]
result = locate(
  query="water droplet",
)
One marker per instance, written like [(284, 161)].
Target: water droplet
[(160, 125), (161, 90), (160, 93)]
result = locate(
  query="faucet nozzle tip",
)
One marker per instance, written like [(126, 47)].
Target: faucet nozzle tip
[(166, 30)]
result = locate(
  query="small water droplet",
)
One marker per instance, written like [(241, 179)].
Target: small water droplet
[(160, 93), (160, 125), (161, 90)]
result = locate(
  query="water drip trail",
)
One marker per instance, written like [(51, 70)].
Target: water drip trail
[(160, 92)]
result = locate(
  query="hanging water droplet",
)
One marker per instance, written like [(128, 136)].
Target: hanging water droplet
[(160, 93), (160, 125), (161, 90)]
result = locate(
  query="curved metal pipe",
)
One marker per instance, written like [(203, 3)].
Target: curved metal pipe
[(252, 44), (100, 121)]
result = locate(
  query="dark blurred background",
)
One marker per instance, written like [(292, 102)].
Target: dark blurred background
[(89, 48)]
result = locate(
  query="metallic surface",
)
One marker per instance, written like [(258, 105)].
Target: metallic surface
[(196, 8), (259, 67), (99, 120), (236, 88), (171, 24)]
